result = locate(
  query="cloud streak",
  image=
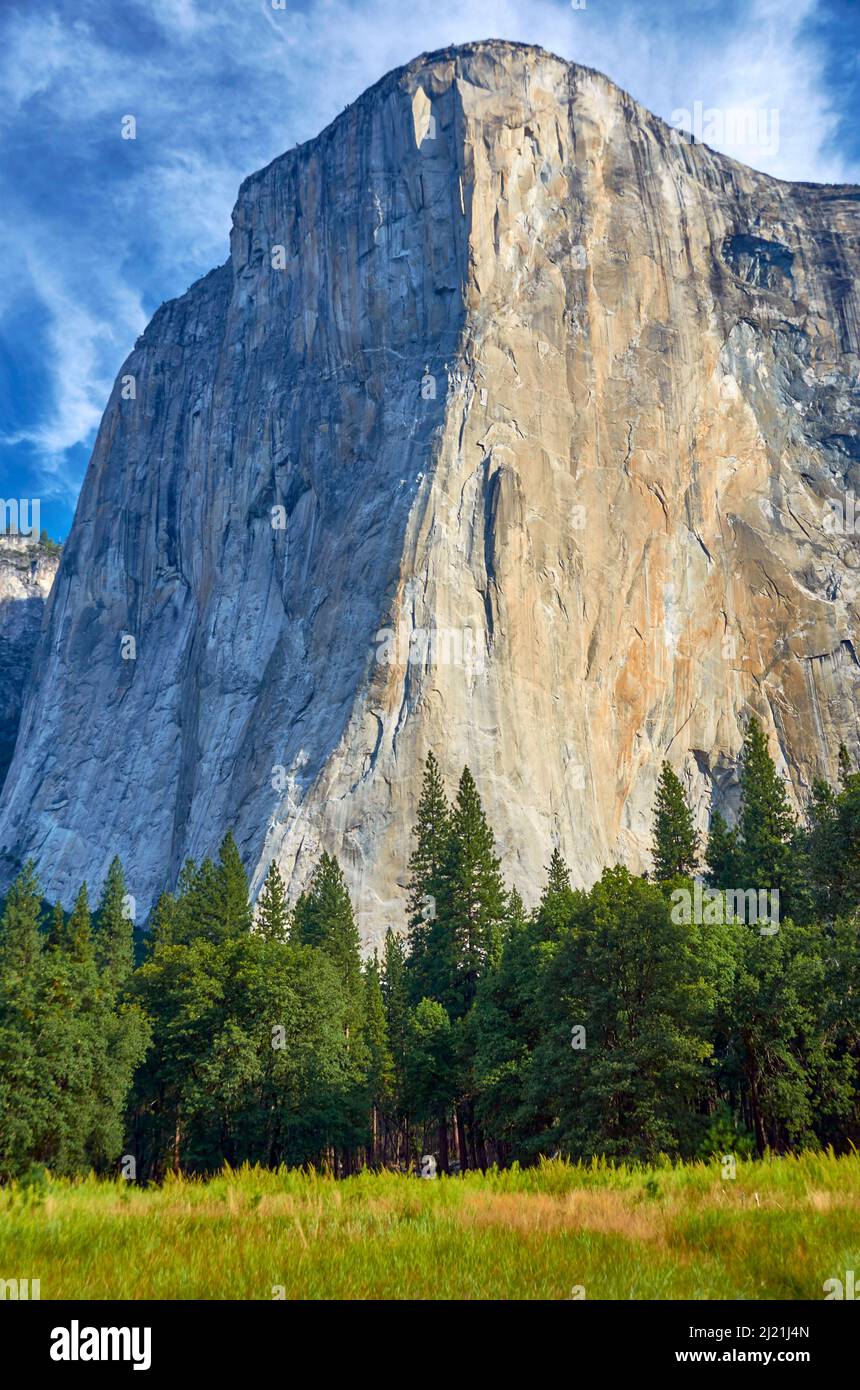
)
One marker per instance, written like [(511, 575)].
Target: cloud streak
[(100, 230)]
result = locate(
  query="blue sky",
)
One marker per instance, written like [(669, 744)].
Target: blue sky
[(97, 231)]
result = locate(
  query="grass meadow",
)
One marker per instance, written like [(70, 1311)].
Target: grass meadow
[(779, 1229)]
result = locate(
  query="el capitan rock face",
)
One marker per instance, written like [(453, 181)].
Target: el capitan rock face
[(528, 376), (28, 568)]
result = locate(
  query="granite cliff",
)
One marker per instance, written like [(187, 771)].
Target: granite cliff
[(515, 426), (28, 568)]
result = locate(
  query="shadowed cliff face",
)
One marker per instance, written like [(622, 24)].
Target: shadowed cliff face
[(27, 571), (554, 415)]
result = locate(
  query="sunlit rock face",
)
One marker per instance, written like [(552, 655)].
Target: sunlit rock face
[(27, 571), (515, 427)]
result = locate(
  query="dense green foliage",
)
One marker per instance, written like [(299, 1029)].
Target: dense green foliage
[(604, 1022)]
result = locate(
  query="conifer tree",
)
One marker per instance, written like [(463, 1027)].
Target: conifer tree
[(722, 855), (431, 1070), (380, 1064), (79, 942), (233, 885), (25, 1084), (20, 937), (273, 917), (324, 918), (57, 929), (393, 984), (675, 847), (162, 931), (473, 900), (505, 1026), (766, 823), (212, 900), (557, 900), (825, 849), (771, 855), (426, 880), (115, 929), (557, 875)]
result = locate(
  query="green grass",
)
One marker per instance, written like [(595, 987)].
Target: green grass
[(779, 1230)]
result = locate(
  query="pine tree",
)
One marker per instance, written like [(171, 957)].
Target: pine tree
[(675, 847), (557, 900), (771, 856), (273, 917), (212, 901), (473, 901), (25, 1084), (20, 937), (426, 874), (833, 843), (722, 855), (57, 929), (324, 918), (393, 984), (380, 1064), (162, 931), (557, 875), (233, 884), (115, 929), (79, 942), (507, 1025), (431, 1070)]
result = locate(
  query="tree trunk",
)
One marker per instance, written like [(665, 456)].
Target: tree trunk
[(443, 1143), (177, 1135), (462, 1150), (755, 1107)]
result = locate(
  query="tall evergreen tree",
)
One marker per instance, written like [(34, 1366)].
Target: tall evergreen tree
[(766, 823), (212, 900), (833, 843), (722, 854), (57, 929), (79, 933), (325, 919), (393, 985), (771, 853), (507, 1023), (115, 929), (380, 1065), (273, 917), (556, 902), (473, 900), (25, 1084), (675, 848), (162, 927), (233, 882), (426, 880)]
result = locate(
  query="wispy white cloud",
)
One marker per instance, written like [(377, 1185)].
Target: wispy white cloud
[(220, 90)]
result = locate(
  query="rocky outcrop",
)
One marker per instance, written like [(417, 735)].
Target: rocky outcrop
[(28, 568), (516, 427)]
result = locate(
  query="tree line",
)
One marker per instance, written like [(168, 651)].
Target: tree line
[(600, 1023)]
